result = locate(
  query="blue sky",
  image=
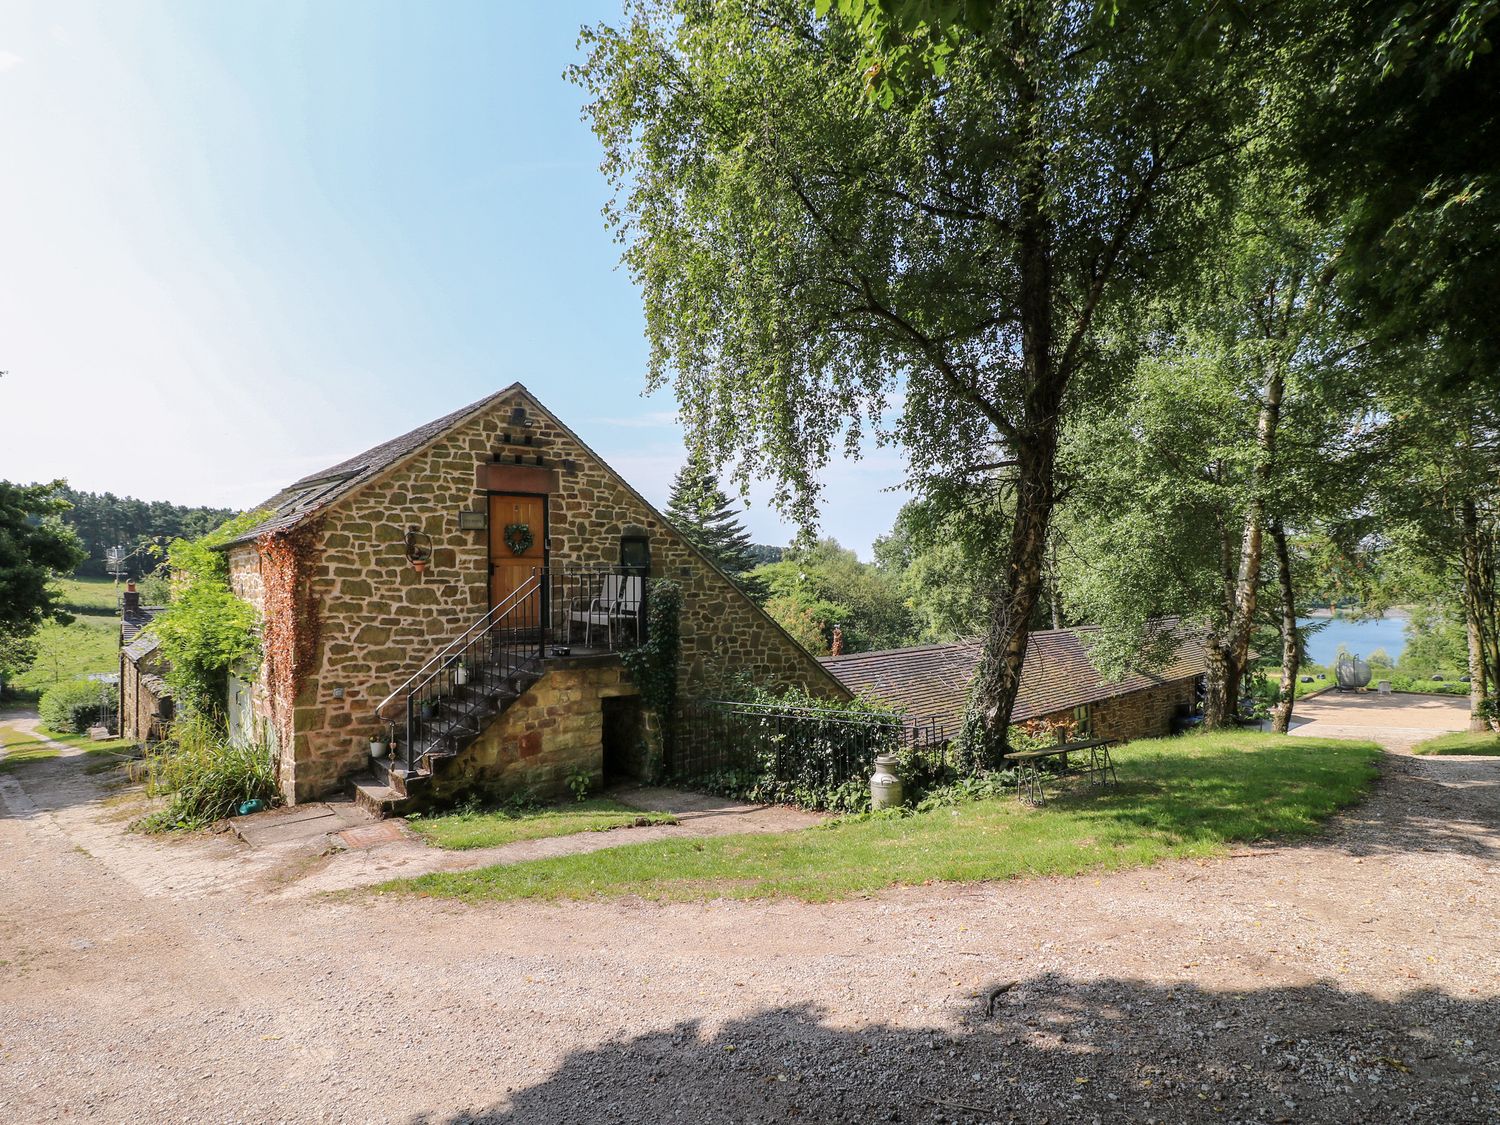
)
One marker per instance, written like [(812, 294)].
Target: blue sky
[(239, 242)]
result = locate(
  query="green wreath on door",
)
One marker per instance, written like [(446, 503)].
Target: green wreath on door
[(518, 538)]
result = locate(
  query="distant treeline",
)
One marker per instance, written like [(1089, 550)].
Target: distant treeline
[(104, 520), (765, 554)]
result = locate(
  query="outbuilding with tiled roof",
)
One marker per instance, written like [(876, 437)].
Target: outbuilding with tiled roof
[(1059, 682)]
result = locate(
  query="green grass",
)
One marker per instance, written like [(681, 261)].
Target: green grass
[(22, 748), (1461, 742), (505, 826), (91, 643), (1271, 684), (91, 595), (1184, 797)]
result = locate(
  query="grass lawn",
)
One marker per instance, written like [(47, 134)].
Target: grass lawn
[(1190, 796), (1272, 684), (21, 748), (505, 826), (1461, 742), (89, 644)]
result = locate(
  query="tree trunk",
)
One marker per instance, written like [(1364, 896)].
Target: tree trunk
[(998, 676), (1221, 686), (1476, 617), (1291, 655), (1247, 586)]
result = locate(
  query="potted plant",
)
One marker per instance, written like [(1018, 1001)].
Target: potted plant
[(460, 673), (383, 746)]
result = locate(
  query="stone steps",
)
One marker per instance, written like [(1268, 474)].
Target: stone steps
[(389, 790)]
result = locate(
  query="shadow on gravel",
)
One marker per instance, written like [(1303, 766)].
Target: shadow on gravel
[(1427, 804), (1052, 1049)]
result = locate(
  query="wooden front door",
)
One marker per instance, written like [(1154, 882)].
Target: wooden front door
[(509, 567)]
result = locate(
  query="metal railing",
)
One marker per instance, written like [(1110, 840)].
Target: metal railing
[(576, 609), (796, 748), (597, 607)]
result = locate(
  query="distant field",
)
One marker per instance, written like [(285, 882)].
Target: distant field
[(89, 644), (90, 595)]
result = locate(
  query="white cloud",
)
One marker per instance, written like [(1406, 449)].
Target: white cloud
[(9, 60)]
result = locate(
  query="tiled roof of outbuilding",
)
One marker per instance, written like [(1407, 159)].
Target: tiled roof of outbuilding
[(132, 621), (932, 681), (314, 492)]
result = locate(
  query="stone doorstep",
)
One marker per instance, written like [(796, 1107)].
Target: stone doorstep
[(367, 836), (297, 824)]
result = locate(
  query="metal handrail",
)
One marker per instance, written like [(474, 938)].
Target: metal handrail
[(530, 586)]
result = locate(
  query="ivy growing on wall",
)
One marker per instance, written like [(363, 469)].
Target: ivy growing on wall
[(653, 665), (205, 630), (292, 626)]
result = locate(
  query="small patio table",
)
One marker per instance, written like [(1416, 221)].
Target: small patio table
[(1098, 767)]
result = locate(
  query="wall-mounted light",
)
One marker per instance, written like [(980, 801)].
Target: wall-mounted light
[(472, 521), (418, 549)]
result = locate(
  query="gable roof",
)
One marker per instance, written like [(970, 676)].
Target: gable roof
[(932, 681), (132, 621), (303, 499), (311, 495)]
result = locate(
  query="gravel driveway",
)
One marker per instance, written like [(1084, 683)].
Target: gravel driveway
[(1354, 978)]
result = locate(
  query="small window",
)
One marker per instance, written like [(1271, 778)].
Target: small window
[(1082, 725), (635, 553)]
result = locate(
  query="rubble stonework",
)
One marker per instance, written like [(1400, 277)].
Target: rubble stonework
[(380, 619), (1141, 714)]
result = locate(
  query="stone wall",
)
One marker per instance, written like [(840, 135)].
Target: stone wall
[(1141, 714), (554, 731), (247, 580), (142, 715), (380, 620)]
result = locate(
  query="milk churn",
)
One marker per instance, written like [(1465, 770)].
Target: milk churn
[(885, 784)]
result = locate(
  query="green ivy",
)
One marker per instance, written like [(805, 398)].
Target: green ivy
[(205, 631), (653, 666), (801, 749)]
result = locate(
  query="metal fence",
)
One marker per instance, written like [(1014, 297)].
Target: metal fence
[(798, 749)]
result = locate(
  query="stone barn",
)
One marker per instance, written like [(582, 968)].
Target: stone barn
[(146, 703), (1060, 686), (447, 613)]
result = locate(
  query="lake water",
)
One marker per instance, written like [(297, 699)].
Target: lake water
[(1359, 637)]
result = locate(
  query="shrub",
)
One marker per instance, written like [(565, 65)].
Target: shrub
[(77, 705), (1425, 687), (796, 748), (206, 776)]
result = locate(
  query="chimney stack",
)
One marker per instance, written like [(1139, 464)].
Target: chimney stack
[(132, 601), (838, 641)]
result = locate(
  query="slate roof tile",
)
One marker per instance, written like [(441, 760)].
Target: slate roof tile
[(931, 682)]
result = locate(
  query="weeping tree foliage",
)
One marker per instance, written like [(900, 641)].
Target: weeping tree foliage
[(1233, 432), (1399, 136), (953, 269)]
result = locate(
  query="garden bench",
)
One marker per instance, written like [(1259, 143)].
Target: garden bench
[(1099, 768)]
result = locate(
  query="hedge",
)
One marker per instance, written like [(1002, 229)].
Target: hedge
[(76, 705)]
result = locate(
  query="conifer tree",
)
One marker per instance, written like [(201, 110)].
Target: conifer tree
[(701, 510)]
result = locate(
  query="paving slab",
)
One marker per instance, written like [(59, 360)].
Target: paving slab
[(299, 824)]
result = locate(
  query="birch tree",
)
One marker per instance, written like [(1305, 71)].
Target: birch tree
[(953, 269)]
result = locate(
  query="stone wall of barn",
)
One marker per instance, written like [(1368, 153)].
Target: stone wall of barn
[(552, 733), (1141, 714), (247, 580), (143, 715), (379, 620)]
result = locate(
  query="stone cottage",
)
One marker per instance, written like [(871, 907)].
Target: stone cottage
[(1059, 686), (146, 704), (465, 591)]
